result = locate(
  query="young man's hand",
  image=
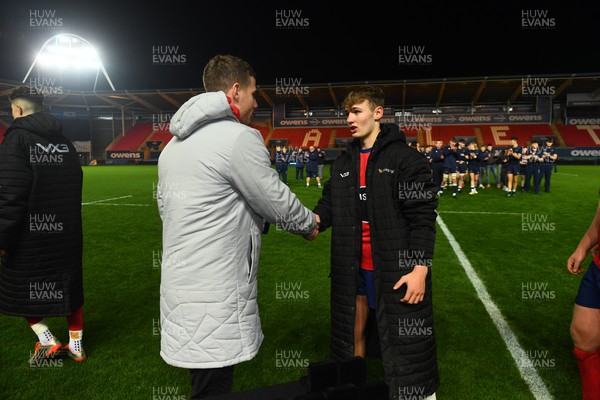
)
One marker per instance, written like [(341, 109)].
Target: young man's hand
[(574, 262), (312, 235), (415, 285)]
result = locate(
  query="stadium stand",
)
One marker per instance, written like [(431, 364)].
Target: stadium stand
[(446, 132), (499, 135), (264, 130), (578, 135), (343, 133), (133, 139), (304, 137), (136, 138), (163, 136)]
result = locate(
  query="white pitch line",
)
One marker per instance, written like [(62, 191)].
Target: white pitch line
[(477, 212), (562, 173), (527, 370), (100, 201), (117, 204)]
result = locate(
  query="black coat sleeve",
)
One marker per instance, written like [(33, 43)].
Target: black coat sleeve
[(323, 207), (16, 178)]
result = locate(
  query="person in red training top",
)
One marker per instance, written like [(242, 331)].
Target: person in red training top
[(380, 202), (585, 325)]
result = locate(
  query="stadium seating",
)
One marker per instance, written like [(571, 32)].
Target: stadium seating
[(304, 137), (163, 136), (499, 135), (447, 132), (133, 138), (575, 135), (264, 130), (342, 132)]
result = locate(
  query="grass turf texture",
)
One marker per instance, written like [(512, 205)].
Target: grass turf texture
[(121, 313)]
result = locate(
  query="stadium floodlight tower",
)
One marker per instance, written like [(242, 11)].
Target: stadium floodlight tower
[(67, 53)]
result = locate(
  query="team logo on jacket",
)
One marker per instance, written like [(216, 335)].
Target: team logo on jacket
[(49, 154), (389, 171), (345, 174)]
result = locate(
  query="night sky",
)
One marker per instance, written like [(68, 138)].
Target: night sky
[(316, 42)]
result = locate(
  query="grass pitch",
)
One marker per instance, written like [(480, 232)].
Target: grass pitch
[(518, 247)]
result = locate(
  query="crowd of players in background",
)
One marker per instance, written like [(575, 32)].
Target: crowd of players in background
[(453, 166), (311, 159), (459, 163)]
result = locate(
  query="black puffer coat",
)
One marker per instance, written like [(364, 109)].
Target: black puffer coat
[(401, 204), (40, 220)]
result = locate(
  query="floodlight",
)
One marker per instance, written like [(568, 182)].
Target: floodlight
[(69, 52)]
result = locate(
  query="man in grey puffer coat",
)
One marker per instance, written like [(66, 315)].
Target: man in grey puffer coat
[(216, 193)]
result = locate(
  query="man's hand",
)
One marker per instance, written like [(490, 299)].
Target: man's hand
[(415, 285), (574, 262), (312, 235)]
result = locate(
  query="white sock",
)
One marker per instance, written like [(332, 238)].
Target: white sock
[(75, 338), (44, 335)]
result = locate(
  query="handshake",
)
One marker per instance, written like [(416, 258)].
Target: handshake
[(312, 235)]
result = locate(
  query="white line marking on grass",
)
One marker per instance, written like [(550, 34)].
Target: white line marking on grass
[(477, 212), (528, 372), (100, 201), (117, 204), (562, 173)]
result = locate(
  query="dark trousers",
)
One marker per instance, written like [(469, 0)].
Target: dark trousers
[(300, 172), (211, 382), (527, 178), (547, 174), (282, 171), (535, 172), (503, 175)]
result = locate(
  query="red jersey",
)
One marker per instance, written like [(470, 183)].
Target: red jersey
[(366, 261)]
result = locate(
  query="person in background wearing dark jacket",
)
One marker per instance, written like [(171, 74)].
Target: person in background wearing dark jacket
[(449, 175), (492, 166), (320, 162), (300, 160), (513, 156), (484, 157), (381, 203), (312, 168), (549, 156), (282, 163), (277, 160), (41, 239), (437, 164)]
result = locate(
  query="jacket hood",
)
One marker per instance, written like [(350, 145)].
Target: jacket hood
[(391, 133), (40, 123), (200, 110)]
